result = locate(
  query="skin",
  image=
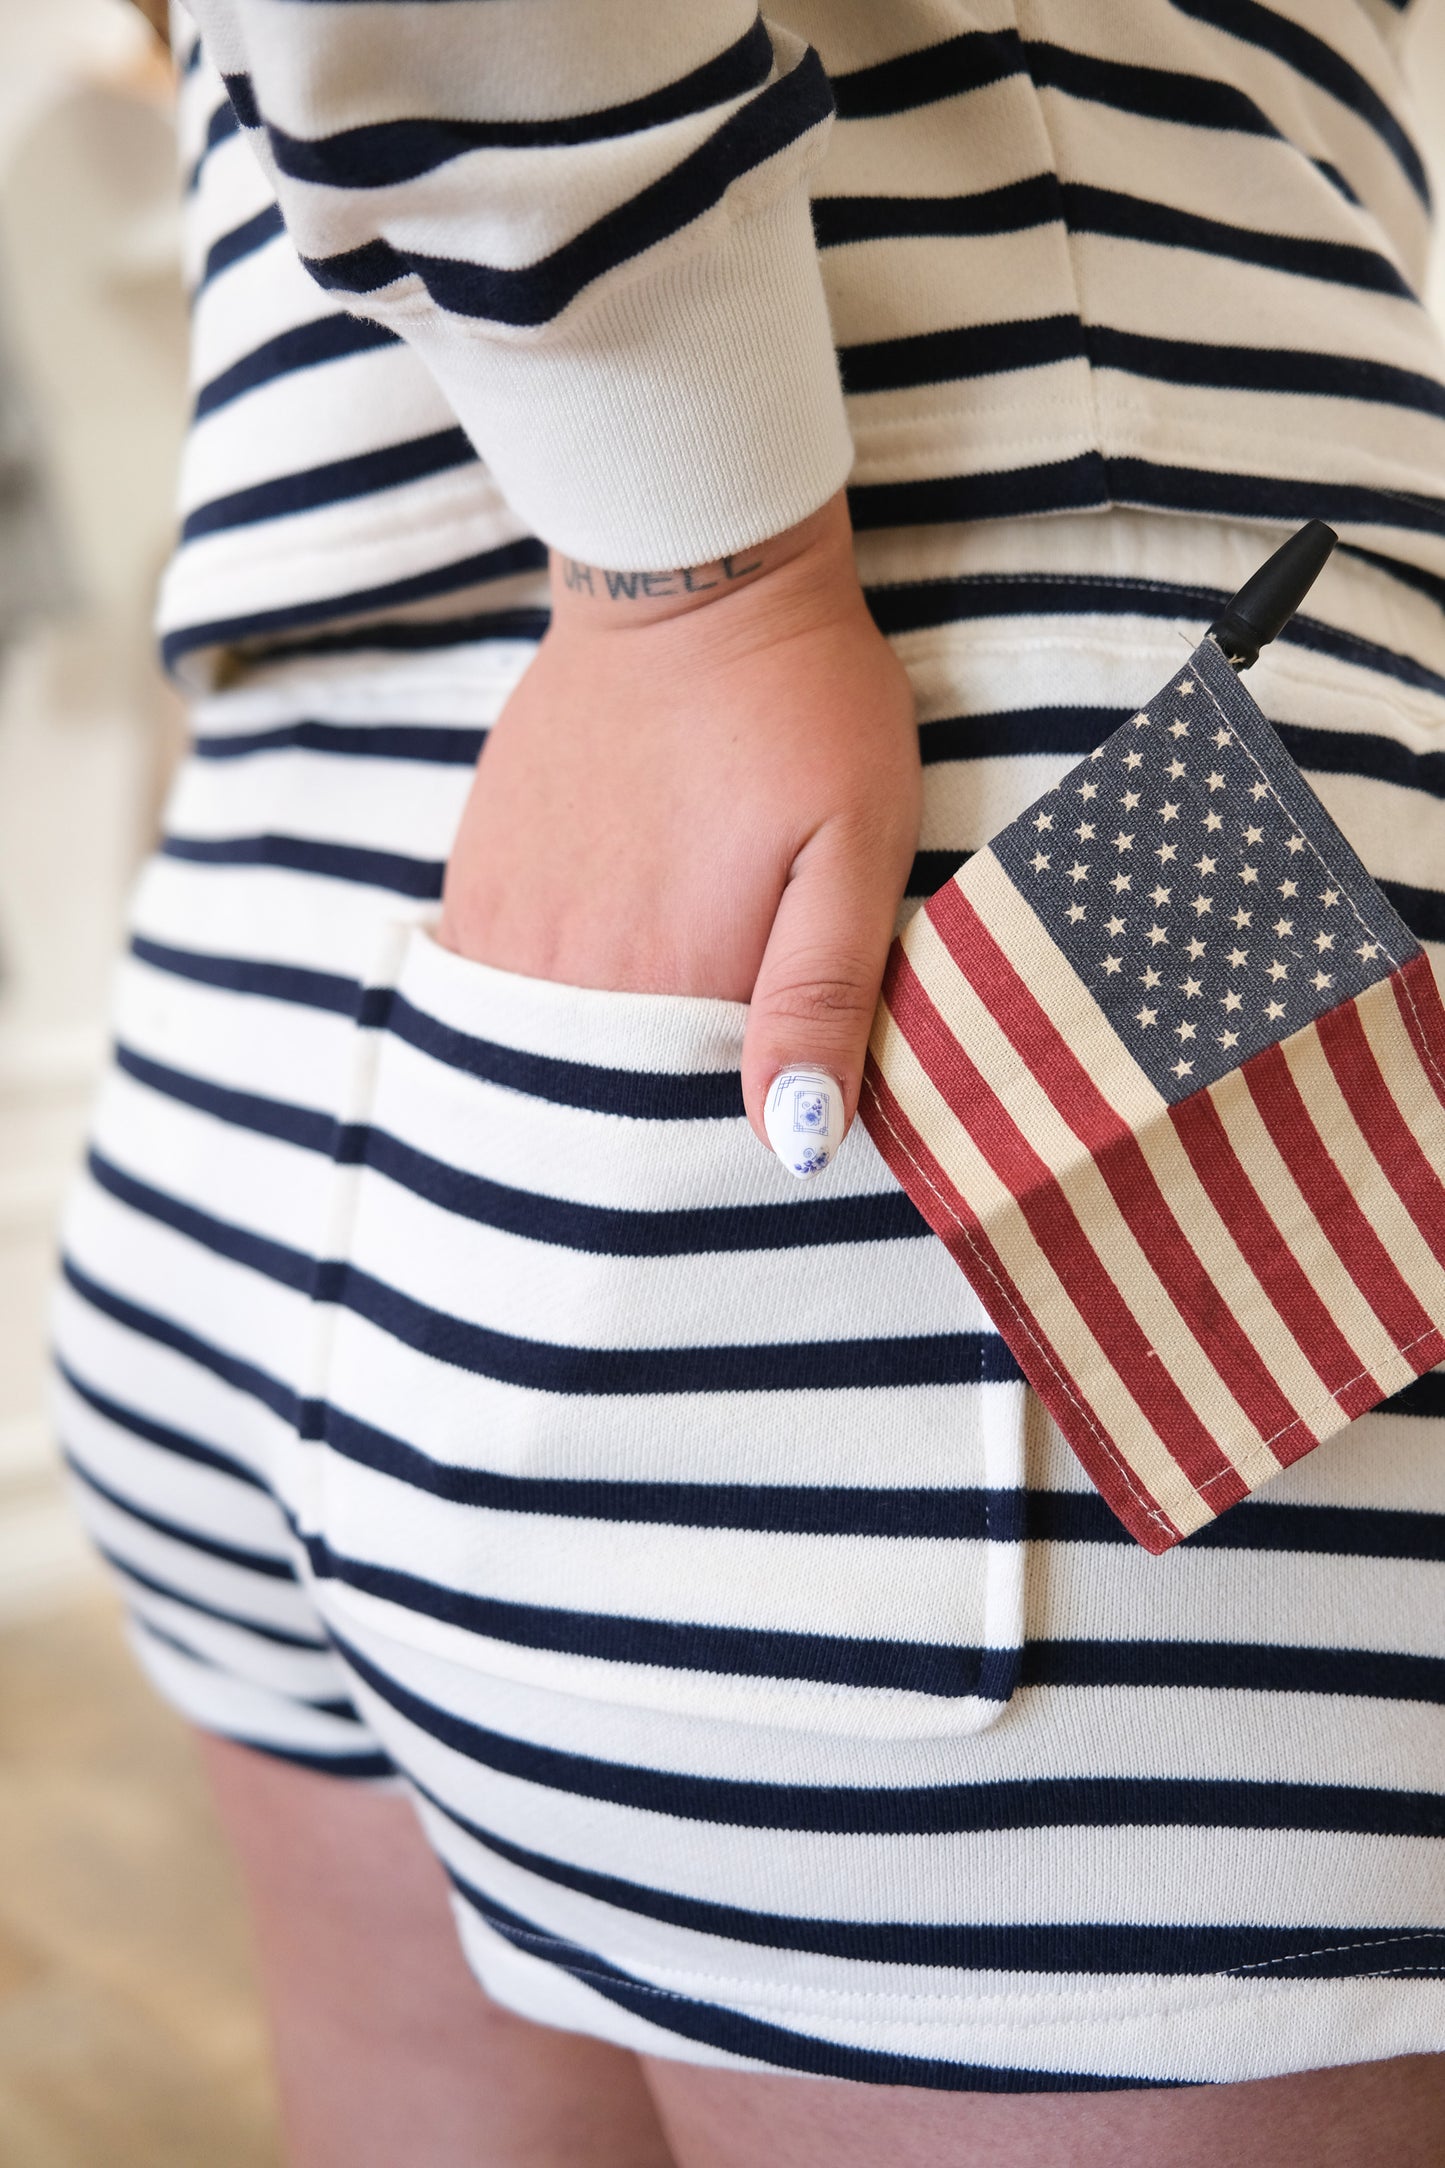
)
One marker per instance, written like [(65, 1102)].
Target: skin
[(731, 762), (725, 759)]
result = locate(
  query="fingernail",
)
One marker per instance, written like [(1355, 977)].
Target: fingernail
[(803, 1115)]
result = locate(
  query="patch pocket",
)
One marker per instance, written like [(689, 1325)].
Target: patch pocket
[(603, 1399)]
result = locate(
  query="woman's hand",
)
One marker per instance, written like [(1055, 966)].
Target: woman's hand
[(706, 783)]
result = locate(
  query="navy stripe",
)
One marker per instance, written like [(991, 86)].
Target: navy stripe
[(791, 1366), (990, 349), (355, 1767), (304, 346), (611, 1231), (1044, 200), (1091, 482), (1259, 1523), (752, 1652), (419, 878), (436, 744), (155, 1587), (1335, 178), (1318, 63), (230, 1369), (1087, 1947), (240, 975), (894, 1513), (242, 240), (829, 1510), (534, 294), (169, 1638), (1141, 481), (1168, 94), (591, 1229), (1289, 370), (162, 1435), (1426, 1396), (387, 152), (1358, 752), (909, 606), (641, 1094), (302, 1126), (547, 1366), (719, 2026), (223, 124), (1235, 1667), (1080, 484), (1016, 733), (338, 481), (972, 1809), (264, 1563), (417, 636), (243, 98), (526, 555), (1013, 208), (1409, 575), (950, 69), (933, 357), (758, 1508), (930, 869), (1136, 218), (1422, 909), (239, 1245)]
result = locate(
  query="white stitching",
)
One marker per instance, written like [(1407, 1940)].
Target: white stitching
[(1311, 845), (1331, 1949)]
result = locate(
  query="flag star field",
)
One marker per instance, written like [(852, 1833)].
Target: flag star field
[(1198, 888)]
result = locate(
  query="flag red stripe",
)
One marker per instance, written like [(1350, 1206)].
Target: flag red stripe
[(1205, 1307), (1418, 998), (1056, 1229), (1325, 1190), (959, 1228), (1383, 1126), (1273, 1263)]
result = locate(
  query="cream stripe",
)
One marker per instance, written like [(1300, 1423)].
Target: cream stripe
[(1301, 1230), (1076, 1171), (1351, 1152), (1137, 1102), (1395, 1051), (1099, 1385), (1057, 988)]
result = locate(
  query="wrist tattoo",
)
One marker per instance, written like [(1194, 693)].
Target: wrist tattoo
[(624, 587)]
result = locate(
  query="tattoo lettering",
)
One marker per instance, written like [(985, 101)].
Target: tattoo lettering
[(656, 586)]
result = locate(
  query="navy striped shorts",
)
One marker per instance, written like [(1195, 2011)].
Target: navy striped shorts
[(464, 1401)]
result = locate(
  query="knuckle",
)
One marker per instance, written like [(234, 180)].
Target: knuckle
[(838, 1001)]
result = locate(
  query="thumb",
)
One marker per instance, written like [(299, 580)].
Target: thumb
[(816, 991)]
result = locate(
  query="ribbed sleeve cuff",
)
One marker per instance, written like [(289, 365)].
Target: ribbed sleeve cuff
[(687, 413)]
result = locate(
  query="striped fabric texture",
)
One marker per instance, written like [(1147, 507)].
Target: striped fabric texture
[(1193, 1175), (465, 1401), (1158, 255)]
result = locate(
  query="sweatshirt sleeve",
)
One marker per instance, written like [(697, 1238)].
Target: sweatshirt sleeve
[(591, 220)]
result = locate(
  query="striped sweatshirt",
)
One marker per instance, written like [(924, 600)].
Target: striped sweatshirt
[(652, 279)]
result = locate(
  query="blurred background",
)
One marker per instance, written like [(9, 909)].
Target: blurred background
[(129, 2031)]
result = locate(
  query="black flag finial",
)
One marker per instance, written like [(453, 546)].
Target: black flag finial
[(1269, 598)]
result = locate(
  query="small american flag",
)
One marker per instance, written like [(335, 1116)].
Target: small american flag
[(1166, 1073)]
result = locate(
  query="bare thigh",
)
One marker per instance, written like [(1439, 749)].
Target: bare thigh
[(1370, 2115), (389, 2054)]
